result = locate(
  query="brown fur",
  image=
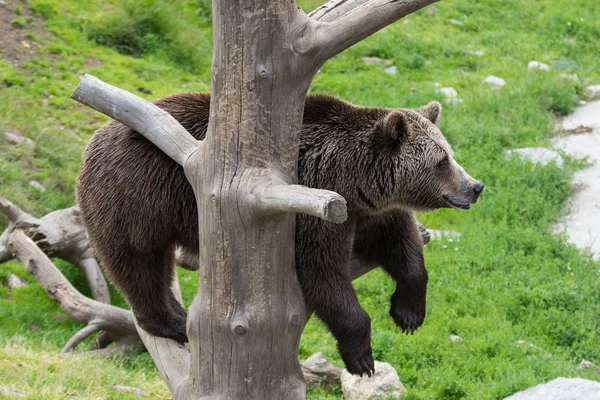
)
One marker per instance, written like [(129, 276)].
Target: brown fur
[(137, 206)]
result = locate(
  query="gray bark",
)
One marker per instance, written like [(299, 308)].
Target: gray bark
[(58, 234), (94, 315), (245, 322)]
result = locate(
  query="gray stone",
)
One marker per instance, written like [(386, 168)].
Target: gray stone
[(382, 62), (456, 22), (456, 338), (476, 53), (494, 81), (449, 92), (537, 155), (391, 70), (593, 92), (3, 3), (587, 364), (385, 383), (561, 389), (560, 64), (582, 224), (317, 370), (538, 65), (455, 100), (129, 389), (18, 139), (570, 77), (14, 282), (37, 185)]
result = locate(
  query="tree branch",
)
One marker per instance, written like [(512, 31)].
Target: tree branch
[(115, 320), (58, 234), (341, 26), (324, 204), (79, 337), (155, 124)]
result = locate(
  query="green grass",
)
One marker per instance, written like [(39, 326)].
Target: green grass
[(526, 304)]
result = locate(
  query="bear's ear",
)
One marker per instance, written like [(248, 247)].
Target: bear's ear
[(395, 125), (431, 111)]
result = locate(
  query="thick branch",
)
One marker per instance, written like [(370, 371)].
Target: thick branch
[(324, 204), (358, 23), (58, 234), (334, 9), (153, 123), (78, 307)]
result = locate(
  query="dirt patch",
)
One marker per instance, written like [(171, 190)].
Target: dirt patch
[(580, 130), (18, 26)]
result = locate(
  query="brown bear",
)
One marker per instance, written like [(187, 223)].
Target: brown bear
[(138, 206)]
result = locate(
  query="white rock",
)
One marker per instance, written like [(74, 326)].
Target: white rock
[(316, 369), (449, 92), (383, 62), (561, 389), (494, 81), (14, 282), (476, 53), (454, 100), (37, 185), (538, 65), (456, 338), (570, 77), (593, 92), (537, 155), (7, 391), (586, 364), (385, 383), (435, 234), (18, 139), (391, 70), (136, 392), (456, 22)]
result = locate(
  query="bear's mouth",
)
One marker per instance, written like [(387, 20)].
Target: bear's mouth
[(456, 204)]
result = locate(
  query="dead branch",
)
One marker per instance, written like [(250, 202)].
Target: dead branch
[(95, 315), (58, 234)]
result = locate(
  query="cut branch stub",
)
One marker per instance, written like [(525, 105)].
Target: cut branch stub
[(152, 122), (324, 204)]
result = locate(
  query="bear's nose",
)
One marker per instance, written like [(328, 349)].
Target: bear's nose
[(478, 188)]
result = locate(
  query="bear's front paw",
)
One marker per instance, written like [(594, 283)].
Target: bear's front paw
[(359, 361), (408, 312)]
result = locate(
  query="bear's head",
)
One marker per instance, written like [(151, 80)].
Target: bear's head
[(425, 172)]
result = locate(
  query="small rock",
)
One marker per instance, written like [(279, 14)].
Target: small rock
[(476, 53), (448, 92), (5, 390), (382, 62), (37, 185), (431, 10), (14, 282), (561, 389), (587, 364), (385, 383), (456, 22), (537, 155), (436, 235), (593, 92), (3, 3), (582, 102), (144, 90), (18, 139), (570, 77), (454, 100), (136, 392), (391, 70), (559, 64), (494, 81), (317, 369), (538, 65), (456, 338)]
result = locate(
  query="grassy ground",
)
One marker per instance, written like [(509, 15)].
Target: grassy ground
[(526, 304)]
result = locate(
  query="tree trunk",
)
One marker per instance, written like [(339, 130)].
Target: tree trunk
[(245, 322)]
